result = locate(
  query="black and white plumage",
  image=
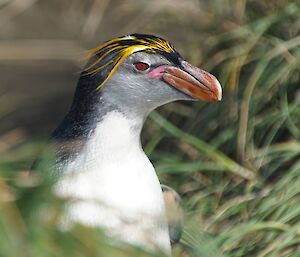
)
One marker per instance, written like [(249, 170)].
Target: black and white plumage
[(100, 160)]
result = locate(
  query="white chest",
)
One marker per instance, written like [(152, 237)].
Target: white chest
[(114, 185)]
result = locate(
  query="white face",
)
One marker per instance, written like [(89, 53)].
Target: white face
[(145, 81), (130, 85)]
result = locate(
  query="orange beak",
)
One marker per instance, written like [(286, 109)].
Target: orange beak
[(194, 82)]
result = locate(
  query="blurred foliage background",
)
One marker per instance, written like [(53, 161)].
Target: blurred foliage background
[(235, 163)]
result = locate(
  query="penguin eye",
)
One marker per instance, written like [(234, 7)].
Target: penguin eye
[(141, 66)]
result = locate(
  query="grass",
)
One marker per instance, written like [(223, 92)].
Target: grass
[(235, 163)]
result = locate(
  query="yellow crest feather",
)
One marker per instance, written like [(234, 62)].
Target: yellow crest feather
[(114, 52)]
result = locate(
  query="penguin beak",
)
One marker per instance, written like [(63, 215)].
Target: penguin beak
[(193, 81)]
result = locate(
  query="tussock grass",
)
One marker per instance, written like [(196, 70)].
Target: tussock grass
[(236, 163)]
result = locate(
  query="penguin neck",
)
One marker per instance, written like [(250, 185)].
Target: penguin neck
[(90, 107), (108, 120), (114, 137)]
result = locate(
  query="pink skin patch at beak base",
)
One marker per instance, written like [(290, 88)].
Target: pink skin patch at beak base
[(157, 72)]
